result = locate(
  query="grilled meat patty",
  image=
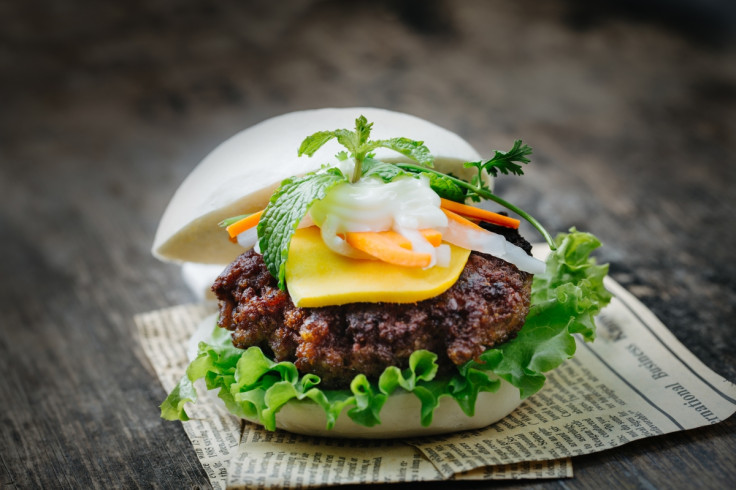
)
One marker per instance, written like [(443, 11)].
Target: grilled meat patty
[(485, 307)]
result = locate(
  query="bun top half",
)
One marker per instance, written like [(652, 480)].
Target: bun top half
[(239, 176)]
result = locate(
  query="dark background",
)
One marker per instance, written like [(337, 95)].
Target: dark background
[(105, 108)]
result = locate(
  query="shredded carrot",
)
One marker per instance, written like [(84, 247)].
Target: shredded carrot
[(461, 220), (432, 236), (481, 214), (389, 247), (244, 224)]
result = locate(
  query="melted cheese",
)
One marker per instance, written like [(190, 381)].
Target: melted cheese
[(317, 276)]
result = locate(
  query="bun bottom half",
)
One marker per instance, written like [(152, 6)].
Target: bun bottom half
[(400, 416)]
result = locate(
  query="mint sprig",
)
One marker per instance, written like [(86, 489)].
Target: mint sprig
[(360, 146)]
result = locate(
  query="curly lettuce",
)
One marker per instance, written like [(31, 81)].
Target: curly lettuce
[(565, 300)]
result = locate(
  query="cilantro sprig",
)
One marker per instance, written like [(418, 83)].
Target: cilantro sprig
[(504, 162), (360, 146)]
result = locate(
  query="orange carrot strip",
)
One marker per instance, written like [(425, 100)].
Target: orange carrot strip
[(395, 238), (432, 236), (387, 247), (461, 220), (244, 224), (481, 214)]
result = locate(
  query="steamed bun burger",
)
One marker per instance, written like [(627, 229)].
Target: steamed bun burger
[(364, 296)]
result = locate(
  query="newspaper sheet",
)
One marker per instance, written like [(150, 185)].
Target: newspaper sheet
[(238, 454), (636, 380)]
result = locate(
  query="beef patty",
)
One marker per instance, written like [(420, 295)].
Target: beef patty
[(485, 307)]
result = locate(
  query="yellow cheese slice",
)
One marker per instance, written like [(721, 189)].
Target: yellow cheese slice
[(316, 276)]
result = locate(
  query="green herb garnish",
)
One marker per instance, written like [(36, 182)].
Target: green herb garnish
[(360, 147), (292, 199), (504, 161)]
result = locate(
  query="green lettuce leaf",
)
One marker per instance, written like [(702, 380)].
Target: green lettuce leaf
[(565, 300)]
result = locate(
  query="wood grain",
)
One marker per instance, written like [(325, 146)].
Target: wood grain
[(105, 108)]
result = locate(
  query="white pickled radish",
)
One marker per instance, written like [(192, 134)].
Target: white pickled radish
[(522, 260), (248, 238), (328, 230), (492, 244), (405, 205), (444, 254), (472, 239)]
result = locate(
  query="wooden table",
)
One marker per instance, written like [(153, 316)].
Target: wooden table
[(105, 108)]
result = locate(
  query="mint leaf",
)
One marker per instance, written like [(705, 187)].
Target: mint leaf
[(354, 141), (442, 185), (384, 171), (362, 130), (360, 146), (287, 207), (342, 156), (349, 139), (314, 142), (410, 148), (445, 187), (450, 187)]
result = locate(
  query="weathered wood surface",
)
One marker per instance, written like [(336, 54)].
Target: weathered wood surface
[(104, 108)]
